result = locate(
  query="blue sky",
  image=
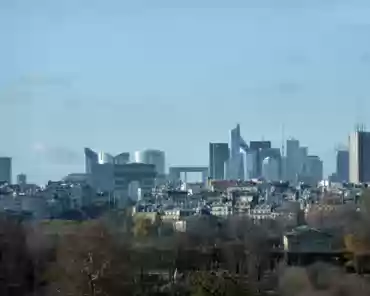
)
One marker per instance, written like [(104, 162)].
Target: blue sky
[(120, 76)]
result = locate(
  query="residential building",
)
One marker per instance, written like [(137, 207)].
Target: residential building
[(304, 239)]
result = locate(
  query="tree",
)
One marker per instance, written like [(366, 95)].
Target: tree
[(90, 262), (17, 274), (142, 227), (205, 283)]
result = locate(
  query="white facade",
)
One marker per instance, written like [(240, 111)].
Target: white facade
[(104, 158), (359, 157), (155, 157)]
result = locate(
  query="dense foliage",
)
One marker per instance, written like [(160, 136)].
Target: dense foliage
[(119, 255)]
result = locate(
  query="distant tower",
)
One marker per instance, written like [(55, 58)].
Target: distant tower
[(91, 159), (152, 156), (218, 156), (6, 169), (283, 141), (270, 169), (359, 156), (22, 179)]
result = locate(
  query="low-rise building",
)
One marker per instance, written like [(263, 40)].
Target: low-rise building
[(304, 239)]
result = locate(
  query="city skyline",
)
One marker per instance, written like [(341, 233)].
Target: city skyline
[(118, 75), (236, 143)]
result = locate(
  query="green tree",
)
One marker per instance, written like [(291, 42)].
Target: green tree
[(217, 284)]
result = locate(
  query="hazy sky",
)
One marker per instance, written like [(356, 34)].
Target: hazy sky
[(119, 76)]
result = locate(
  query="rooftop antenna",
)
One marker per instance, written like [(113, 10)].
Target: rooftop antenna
[(283, 140), (360, 119)]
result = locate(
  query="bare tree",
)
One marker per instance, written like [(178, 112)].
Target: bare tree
[(89, 262), (17, 275)]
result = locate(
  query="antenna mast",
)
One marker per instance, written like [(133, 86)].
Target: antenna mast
[(360, 120), (283, 140)]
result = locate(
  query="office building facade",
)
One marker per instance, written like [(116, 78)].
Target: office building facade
[(6, 169), (132, 178), (21, 179), (342, 165), (153, 157), (258, 149), (91, 159), (314, 169), (238, 149), (218, 156), (293, 159), (359, 157), (122, 158), (270, 169)]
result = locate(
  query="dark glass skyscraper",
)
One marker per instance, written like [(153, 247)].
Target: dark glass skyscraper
[(236, 165), (343, 165), (6, 169), (260, 150), (218, 155), (91, 159)]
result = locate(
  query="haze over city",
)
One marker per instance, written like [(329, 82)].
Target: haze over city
[(176, 75), (185, 147)]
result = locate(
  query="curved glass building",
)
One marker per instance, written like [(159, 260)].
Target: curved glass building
[(91, 159), (152, 156), (236, 166)]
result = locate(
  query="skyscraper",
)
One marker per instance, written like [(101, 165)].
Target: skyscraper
[(6, 169), (104, 157), (237, 158), (359, 157), (342, 163), (314, 169), (218, 155), (100, 168), (256, 145), (21, 179), (122, 158), (152, 156), (91, 159), (293, 156), (261, 150), (270, 169), (302, 161), (275, 154)]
